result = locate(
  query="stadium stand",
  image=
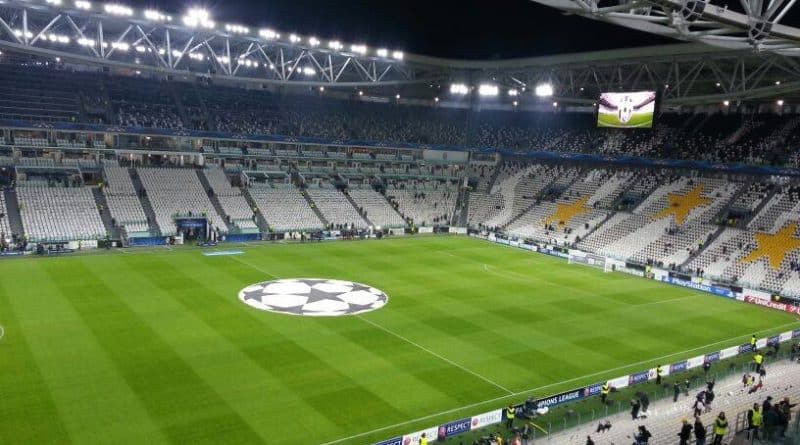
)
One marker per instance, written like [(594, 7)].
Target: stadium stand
[(233, 204), (178, 192), (58, 213), (374, 206), (336, 208), (284, 208)]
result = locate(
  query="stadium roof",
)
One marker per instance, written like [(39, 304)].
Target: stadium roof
[(121, 38)]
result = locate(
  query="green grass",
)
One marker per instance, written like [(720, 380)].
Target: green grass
[(154, 346), (638, 120)]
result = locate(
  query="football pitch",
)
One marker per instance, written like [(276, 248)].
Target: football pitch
[(156, 346)]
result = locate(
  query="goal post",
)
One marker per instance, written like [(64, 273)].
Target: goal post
[(590, 259)]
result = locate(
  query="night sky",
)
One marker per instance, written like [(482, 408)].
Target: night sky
[(469, 29)]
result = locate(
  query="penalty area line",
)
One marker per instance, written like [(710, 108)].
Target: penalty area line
[(539, 388)]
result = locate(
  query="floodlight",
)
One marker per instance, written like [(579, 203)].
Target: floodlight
[(54, 2), (360, 93), (436, 99), (268, 34), (780, 102), (487, 89), (397, 96), (515, 103), (513, 92), (359, 49), (335, 45), (83, 4), (544, 90), (294, 38), (397, 55), (383, 52), (115, 9), (85, 42), (122, 46), (777, 82), (459, 88), (198, 17), (140, 49), (308, 71), (313, 41), (156, 16), (726, 102), (237, 29), (321, 89), (555, 104)]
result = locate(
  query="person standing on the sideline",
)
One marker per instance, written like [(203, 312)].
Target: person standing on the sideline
[(604, 390), (754, 420), (659, 374), (720, 428), (423, 440), (676, 391), (753, 342), (510, 416)]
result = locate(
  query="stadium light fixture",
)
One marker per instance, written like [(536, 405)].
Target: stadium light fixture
[(513, 92), (777, 82), (397, 55), (313, 41), (397, 96), (360, 93), (382, 52), (544, 90), (780, 102), (459, 89), (718, 84), (121, 46), (83, 4), (198, 17), (53, 2), (515, 103), (294, 38), (555, 104), (116, 9), (359, 49), (335, 45), (237, 29), (85, 42), (322, 89), (156, 16), (308, 71), (726, 102), (140, 49), (487, 89), (436, 99), (268, 34)]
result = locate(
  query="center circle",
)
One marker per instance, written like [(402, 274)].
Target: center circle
[(313, 297)]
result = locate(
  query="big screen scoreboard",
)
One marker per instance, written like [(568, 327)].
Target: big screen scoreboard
[(626, 110)]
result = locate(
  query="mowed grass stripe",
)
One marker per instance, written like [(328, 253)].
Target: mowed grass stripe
[(389, 356), (265, 403), (28, 413), (312, 374), (94, 401), (185, 408)]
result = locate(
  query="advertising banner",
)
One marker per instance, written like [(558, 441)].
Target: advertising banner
[(413, 438), (486, 419), (729, 352), (774, 340), (592, 390), (619, 382), (694, 362), (721, 291), (454, 428), (639, 377), (796, 333), (745, 348), (678, 367), (712, 357), (771, 304), (558, 399), (785, 336), (395, 441)]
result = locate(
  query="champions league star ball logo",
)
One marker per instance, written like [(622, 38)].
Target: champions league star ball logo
[(313, 297), (625, 110)]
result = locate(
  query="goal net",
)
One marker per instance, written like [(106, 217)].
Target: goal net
[(591, 260)]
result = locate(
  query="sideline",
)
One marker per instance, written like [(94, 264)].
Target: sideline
[(519, 393)]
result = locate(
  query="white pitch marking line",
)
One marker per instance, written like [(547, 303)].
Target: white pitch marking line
[(519, 393), (2, 332), (435, 354)]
